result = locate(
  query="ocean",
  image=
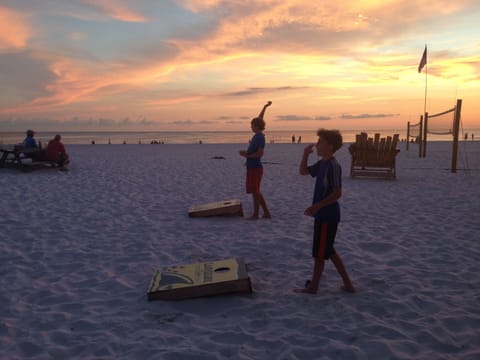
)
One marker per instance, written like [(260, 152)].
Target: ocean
[(196, 137)]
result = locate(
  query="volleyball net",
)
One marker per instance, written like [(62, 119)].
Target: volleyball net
[(443, 123), (414, 133)]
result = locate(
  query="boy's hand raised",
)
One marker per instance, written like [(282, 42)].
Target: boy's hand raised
[(308, 149)]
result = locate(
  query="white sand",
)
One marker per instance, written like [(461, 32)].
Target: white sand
[(78, 249)]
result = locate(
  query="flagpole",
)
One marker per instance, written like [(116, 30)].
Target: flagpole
[(423, 137), (426, 72)]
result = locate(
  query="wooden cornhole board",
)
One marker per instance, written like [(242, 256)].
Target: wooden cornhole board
[(221, 208), (200, 279)]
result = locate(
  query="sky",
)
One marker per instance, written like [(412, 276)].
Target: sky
[(203, 65)]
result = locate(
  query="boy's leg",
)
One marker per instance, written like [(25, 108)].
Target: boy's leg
[(263, 204), (320, 238), (256, 205), (312, 288), (347, 283)]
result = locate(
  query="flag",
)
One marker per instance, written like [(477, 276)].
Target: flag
[(423, 62)]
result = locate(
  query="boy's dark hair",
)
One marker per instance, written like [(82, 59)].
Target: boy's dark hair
[(332, 137), (258, 122)]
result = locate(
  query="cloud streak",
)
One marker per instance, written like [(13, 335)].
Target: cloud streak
[(190, 60)]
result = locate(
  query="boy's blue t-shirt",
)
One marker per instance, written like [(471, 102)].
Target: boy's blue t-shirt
[(29, 142), (328, 174), (257, 142)]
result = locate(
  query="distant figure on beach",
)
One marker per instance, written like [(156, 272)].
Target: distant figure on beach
[(299, 139), (29, 142), (293, 139), (325, 207), (253, 154), (473, 136), (56, 151)]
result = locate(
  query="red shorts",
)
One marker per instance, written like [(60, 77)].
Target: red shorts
[(323, 239), (254, 177)]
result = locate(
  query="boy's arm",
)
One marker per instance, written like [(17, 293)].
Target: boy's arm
[(330, 199), (264, 108), (304, 162), (256, 154)]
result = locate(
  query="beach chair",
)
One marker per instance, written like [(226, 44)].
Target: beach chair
[(374, 157)]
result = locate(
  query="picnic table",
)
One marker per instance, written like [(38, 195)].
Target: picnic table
[(25, 159)]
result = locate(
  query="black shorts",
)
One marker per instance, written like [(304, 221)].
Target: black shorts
[(323, 239)]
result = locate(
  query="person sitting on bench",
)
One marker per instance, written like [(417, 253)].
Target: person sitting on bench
[(56, 151), (30, 148), (29, 142)]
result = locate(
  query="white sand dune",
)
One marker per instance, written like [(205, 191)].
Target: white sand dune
[(78, 249)]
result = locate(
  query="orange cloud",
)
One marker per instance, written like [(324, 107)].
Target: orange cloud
[(118, 9), (14, 29)]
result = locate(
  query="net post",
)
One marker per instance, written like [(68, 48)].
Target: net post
[(425, 130), (408, 133), (420, 134), (456, 128), (423, 136)]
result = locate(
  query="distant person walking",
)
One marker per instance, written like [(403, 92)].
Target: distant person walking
[(253, 154)]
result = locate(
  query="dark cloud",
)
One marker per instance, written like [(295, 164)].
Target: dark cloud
[(182, 122), (300, 37), (301, 118), (366, 116), (293, 118), (191, 122), (326, 118), (75, 123), (262, 90), (234, 122), (23, 78), (149, 52)]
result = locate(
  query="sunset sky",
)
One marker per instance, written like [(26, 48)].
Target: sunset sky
[(211, 65)]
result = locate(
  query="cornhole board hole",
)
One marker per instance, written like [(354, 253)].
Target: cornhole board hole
[(221, 208), (200, 279)]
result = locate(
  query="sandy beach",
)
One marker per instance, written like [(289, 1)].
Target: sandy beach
[(78, 250)]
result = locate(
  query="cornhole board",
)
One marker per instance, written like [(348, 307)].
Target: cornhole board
[(199, 279), (221, 208)]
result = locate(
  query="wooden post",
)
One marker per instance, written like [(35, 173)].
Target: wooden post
[(420, 147), (425, 130), (456, 128), (408, 133)]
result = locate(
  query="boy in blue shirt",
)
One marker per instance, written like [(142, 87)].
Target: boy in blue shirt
[(253, 155), (29, 142), (325, 208)]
